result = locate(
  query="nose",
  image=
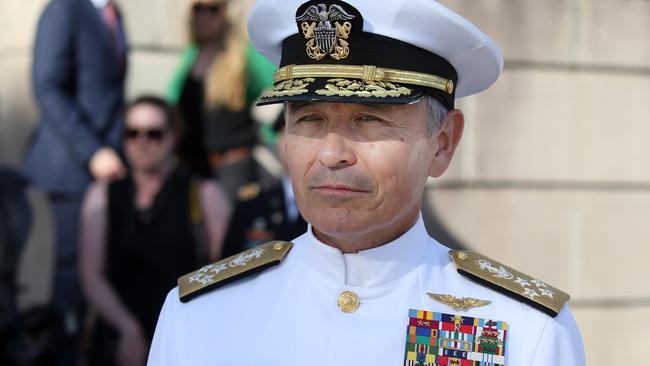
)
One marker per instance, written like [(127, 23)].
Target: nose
[(336, 152)]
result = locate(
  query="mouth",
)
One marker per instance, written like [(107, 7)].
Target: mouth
[(338, 189), (338, 186)]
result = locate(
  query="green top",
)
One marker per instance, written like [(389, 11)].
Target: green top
[(188, 57), (259, 73)]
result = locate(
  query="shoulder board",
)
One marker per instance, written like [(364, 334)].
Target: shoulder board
[(509, 282), (227, 270)]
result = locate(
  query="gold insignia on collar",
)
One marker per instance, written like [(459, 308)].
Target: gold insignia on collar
[(323, 38), (459, 303)]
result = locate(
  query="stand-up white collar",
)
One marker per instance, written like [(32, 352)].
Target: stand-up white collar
[(99, 4), (372, 267)]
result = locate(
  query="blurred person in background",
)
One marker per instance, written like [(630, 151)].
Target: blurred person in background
[(138, 234), (15, 223), (270, 213), (79, 67), (220, 78)]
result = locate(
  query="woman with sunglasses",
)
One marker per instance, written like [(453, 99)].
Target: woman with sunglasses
[(138, 234), (220, 78)]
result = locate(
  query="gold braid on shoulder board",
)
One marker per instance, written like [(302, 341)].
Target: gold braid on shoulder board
[(227, 270), (509, 282)]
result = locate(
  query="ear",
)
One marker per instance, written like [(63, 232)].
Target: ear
[(446, 141)]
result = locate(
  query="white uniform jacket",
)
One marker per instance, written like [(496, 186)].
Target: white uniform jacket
[(288, 314)]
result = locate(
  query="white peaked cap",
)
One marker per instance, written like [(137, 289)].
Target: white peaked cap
[(425, 24)]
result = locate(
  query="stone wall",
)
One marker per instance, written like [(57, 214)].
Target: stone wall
[(553, 173)]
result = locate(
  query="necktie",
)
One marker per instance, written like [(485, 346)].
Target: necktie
[(110, 18)]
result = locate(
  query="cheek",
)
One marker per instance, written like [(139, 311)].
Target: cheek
[(297, 165), (129, 150), (167, 147), (400, 171), (299, 154), (388, 160)]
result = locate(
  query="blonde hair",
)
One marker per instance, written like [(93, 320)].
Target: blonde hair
[(226, 78)]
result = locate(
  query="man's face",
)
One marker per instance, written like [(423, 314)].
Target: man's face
[(358, 170)]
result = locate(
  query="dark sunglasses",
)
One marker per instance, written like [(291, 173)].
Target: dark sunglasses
[(153, 134), (207, 8)]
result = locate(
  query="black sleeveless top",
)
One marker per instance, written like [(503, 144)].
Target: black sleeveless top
[(148, 250), (191, 149), (211, 129)]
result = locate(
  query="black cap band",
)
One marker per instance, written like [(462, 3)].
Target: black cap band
[(382, 52)]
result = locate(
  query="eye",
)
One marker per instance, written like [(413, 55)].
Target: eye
[(310, 118), (369, 118)]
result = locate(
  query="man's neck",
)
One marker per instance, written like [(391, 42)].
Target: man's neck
[(354, 243)]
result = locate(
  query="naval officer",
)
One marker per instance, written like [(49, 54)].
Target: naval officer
[(369, 89)]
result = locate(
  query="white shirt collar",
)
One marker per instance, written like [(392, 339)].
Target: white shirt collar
[(99, 4), (373, 267)]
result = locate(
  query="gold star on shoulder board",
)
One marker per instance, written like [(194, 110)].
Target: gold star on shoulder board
[(459, 303)]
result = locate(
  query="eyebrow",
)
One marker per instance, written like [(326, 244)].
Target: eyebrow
[(296, 106)]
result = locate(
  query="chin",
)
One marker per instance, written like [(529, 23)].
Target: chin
[(340, 222), (361, 229), (144, 166)]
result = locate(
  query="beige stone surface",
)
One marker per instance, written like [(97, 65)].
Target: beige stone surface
[(593, 245), (160, 23), (167, 21), (150, 72), (17, 111), (557, 126), (156, 24), (593, 32), (19, 19), (37, 260), (615, 336)]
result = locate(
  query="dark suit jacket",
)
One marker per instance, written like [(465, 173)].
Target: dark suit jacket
[(78, 82)]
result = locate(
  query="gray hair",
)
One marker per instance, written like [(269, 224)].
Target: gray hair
[(436, 113)]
